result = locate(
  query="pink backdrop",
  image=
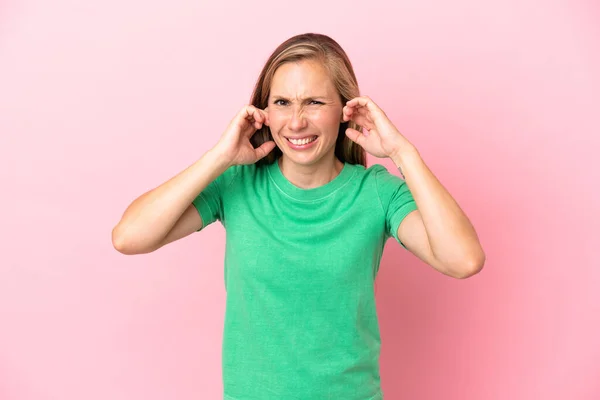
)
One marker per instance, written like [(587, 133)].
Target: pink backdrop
[(101, 101)]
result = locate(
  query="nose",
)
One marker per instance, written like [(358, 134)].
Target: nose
[(297, 120)]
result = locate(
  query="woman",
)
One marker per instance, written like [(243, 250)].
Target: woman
[(306, 224)]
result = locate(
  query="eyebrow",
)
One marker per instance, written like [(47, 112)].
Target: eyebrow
[(277, 96)]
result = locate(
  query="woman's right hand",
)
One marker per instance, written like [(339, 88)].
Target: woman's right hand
[(235, 144)]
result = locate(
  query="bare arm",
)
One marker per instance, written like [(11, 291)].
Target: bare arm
[(439, 232), (150, 221), (166, 213)]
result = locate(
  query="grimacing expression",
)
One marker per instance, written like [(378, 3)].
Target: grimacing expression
[(305, 111)]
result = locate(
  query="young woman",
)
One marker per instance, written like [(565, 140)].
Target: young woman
[(306, 222)]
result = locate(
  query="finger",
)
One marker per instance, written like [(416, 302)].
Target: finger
[(254, 116), (258, 115), (364, 101), (347, 113), (248, 111), (350, 111), (264, 149), (355, 136), (360, 117), (363, 112), (363, 121), (261, 116), (244, 117)]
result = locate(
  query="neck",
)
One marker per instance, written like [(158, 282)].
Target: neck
[(310, 176)]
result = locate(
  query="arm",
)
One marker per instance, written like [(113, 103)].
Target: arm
[(166, 213), (439, 232)]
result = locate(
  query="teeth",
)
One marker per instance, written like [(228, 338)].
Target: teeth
[(302, 141)]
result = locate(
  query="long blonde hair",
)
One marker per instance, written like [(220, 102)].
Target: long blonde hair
[(311, 46)]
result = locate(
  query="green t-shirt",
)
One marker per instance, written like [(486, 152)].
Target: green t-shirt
[(300, 267)]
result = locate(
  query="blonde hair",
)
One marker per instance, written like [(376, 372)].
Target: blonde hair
[(311, 46)]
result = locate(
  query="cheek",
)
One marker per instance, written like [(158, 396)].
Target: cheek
[(276, 120), (328, 120)]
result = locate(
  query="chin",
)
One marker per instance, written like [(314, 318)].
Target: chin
[(305, 159)]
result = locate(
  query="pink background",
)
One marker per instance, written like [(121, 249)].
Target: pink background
[(101, 101)]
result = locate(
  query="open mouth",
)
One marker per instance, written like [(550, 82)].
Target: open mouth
[(303, 141)]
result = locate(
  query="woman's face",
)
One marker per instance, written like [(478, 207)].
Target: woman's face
[(305, 112)]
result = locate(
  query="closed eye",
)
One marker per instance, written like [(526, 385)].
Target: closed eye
[(282, 102)]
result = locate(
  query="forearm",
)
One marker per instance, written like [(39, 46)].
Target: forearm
[(452, 237), (150, 217)]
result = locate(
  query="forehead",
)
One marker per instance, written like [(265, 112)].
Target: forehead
[(302, 78)]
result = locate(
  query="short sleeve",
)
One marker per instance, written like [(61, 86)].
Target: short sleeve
[(209, 202), (396, 200)]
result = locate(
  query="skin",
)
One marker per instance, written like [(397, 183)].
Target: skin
[(438, 232), (304, 102)]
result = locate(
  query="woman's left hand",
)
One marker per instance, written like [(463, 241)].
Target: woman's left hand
[(381, 138)]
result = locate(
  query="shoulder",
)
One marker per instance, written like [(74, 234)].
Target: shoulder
[(229, 176), (387, 184), (372, 176), (243, 174), (375, 178), (367, 172), (379, 174), (375, 170)]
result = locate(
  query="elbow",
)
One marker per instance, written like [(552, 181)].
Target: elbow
[(470, 266), (121, 243)]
